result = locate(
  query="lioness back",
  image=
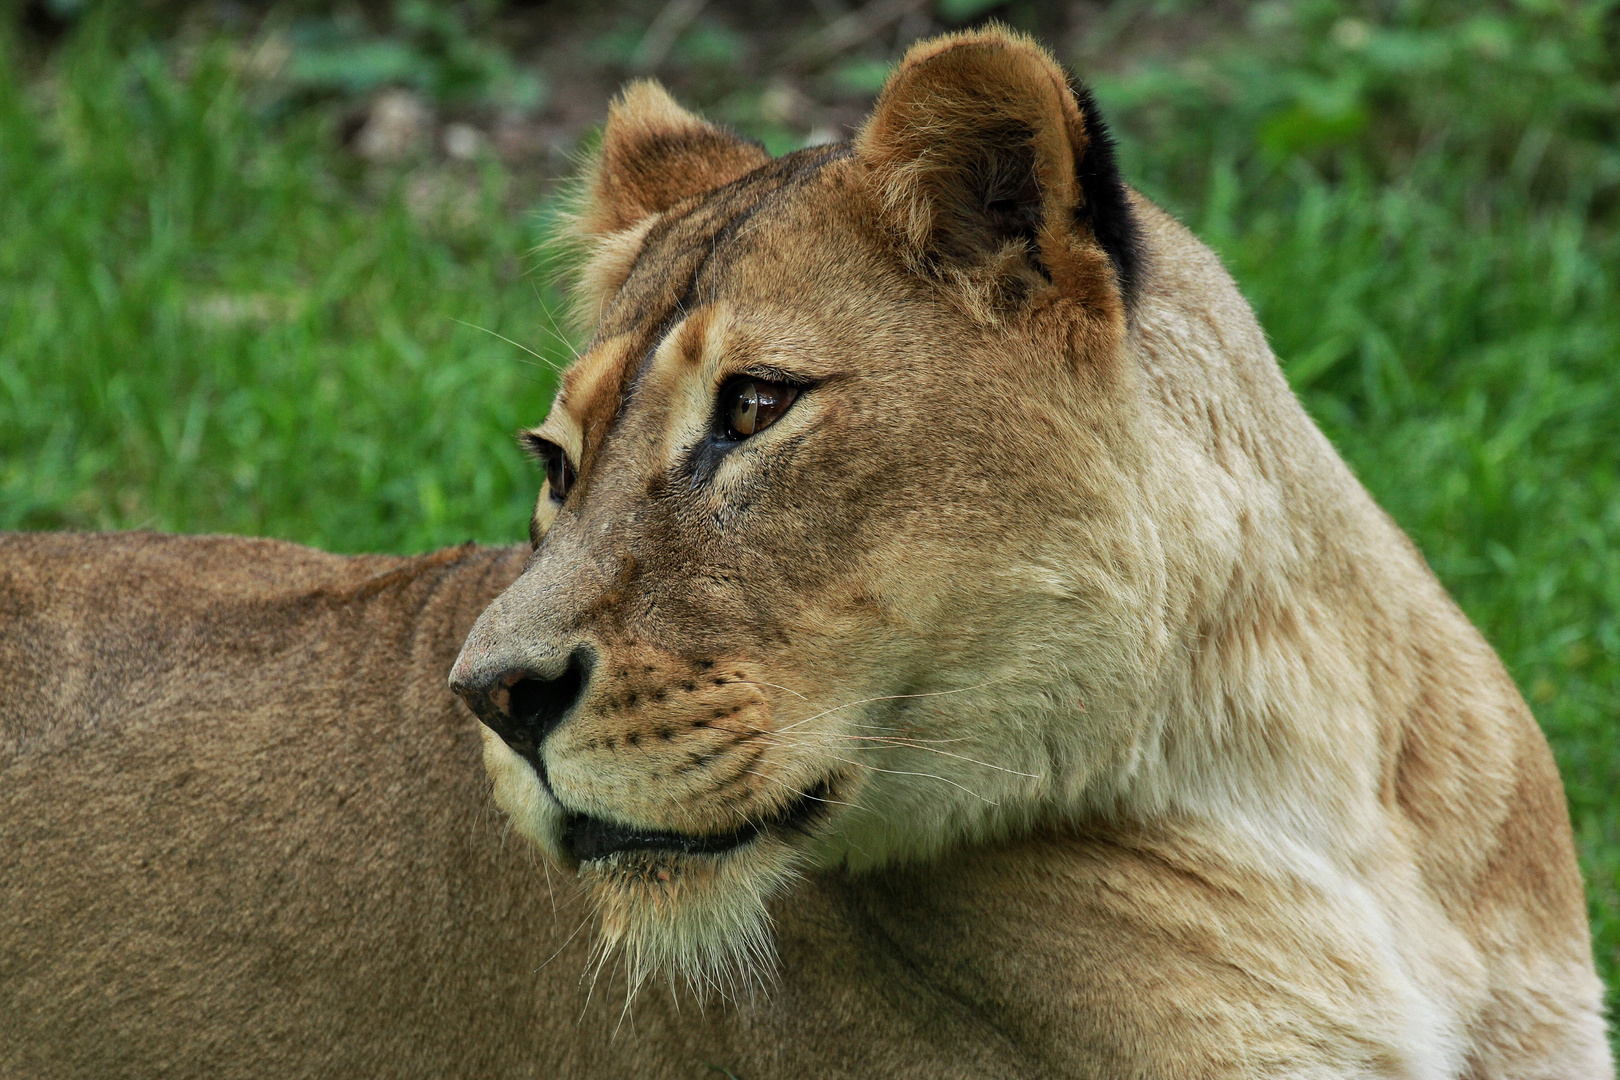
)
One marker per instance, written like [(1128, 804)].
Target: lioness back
[(241, 816), (946, 648)]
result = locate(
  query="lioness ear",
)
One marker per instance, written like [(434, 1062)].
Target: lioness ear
[(654, 154), (994, 171)]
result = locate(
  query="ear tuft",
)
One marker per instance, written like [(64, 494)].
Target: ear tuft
[(988, 163), (654, 154)]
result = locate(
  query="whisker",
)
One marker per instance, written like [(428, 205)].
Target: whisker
[(944, 753), (889, 697), (545, 864), (630, 990), (928, 776), (510, 342), (592, 974), (556, 331), (750, 771), (885, 743), (899, 740), (775, 686), (854, 742), (565, 944)]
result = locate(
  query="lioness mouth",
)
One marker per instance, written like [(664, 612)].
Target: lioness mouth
[(588, 837)]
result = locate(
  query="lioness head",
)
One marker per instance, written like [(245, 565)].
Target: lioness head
[(841, 556)]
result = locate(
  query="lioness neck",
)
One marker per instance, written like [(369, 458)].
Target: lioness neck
[(1315, 659)]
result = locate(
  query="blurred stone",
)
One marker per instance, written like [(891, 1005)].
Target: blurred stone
[(440, 199), (782, 103), (1352, 33), (397, 125), (227, 309), (515, 137), (264, 59), (463, 142)]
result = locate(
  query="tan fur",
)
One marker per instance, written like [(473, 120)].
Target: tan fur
[(1151, 748)]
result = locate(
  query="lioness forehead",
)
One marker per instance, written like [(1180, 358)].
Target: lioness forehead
[(684, 261)]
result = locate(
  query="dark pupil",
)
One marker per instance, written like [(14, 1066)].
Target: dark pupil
[(558, 474), (745, 409), (756, 405)]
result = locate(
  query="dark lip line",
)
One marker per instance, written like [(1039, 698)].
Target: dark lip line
[(586, 837)]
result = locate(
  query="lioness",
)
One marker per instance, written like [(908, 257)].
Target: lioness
[(947, 649)]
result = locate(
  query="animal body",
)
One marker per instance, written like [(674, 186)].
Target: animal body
[(946, 649)]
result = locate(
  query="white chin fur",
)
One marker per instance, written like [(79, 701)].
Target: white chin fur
[(700, 919)]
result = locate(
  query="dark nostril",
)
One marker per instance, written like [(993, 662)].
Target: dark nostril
[(535, 705), (538, 705)]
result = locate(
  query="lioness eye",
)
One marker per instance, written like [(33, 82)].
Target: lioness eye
[(559, 474), (752, 405)]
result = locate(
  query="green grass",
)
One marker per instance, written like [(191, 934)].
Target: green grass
[(213, 320)]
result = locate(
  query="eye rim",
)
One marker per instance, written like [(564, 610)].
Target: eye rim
[(791, 390), (560, 472)]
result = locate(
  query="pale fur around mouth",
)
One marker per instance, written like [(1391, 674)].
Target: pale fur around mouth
[(700, 916), (694, 906)]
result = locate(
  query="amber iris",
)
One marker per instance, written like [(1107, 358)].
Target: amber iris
[(752, 405)]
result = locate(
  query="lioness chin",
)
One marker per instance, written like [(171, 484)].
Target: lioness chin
[(939, 608)]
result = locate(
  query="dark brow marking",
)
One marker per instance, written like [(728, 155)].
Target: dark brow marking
[(697, 226), (681, 249), (685, 239), (814, 158), (646, 305), (787, 172)]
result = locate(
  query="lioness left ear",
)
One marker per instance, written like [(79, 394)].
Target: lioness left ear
[(654, 154), (992, 169)]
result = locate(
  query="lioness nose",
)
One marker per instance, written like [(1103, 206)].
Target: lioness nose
[(523, 706)]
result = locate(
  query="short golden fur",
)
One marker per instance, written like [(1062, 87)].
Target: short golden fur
[(1083, 714)]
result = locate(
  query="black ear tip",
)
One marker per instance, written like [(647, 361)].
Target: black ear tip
[(1106, 210)]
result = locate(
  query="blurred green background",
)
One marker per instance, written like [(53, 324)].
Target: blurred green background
[(272, 269)]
